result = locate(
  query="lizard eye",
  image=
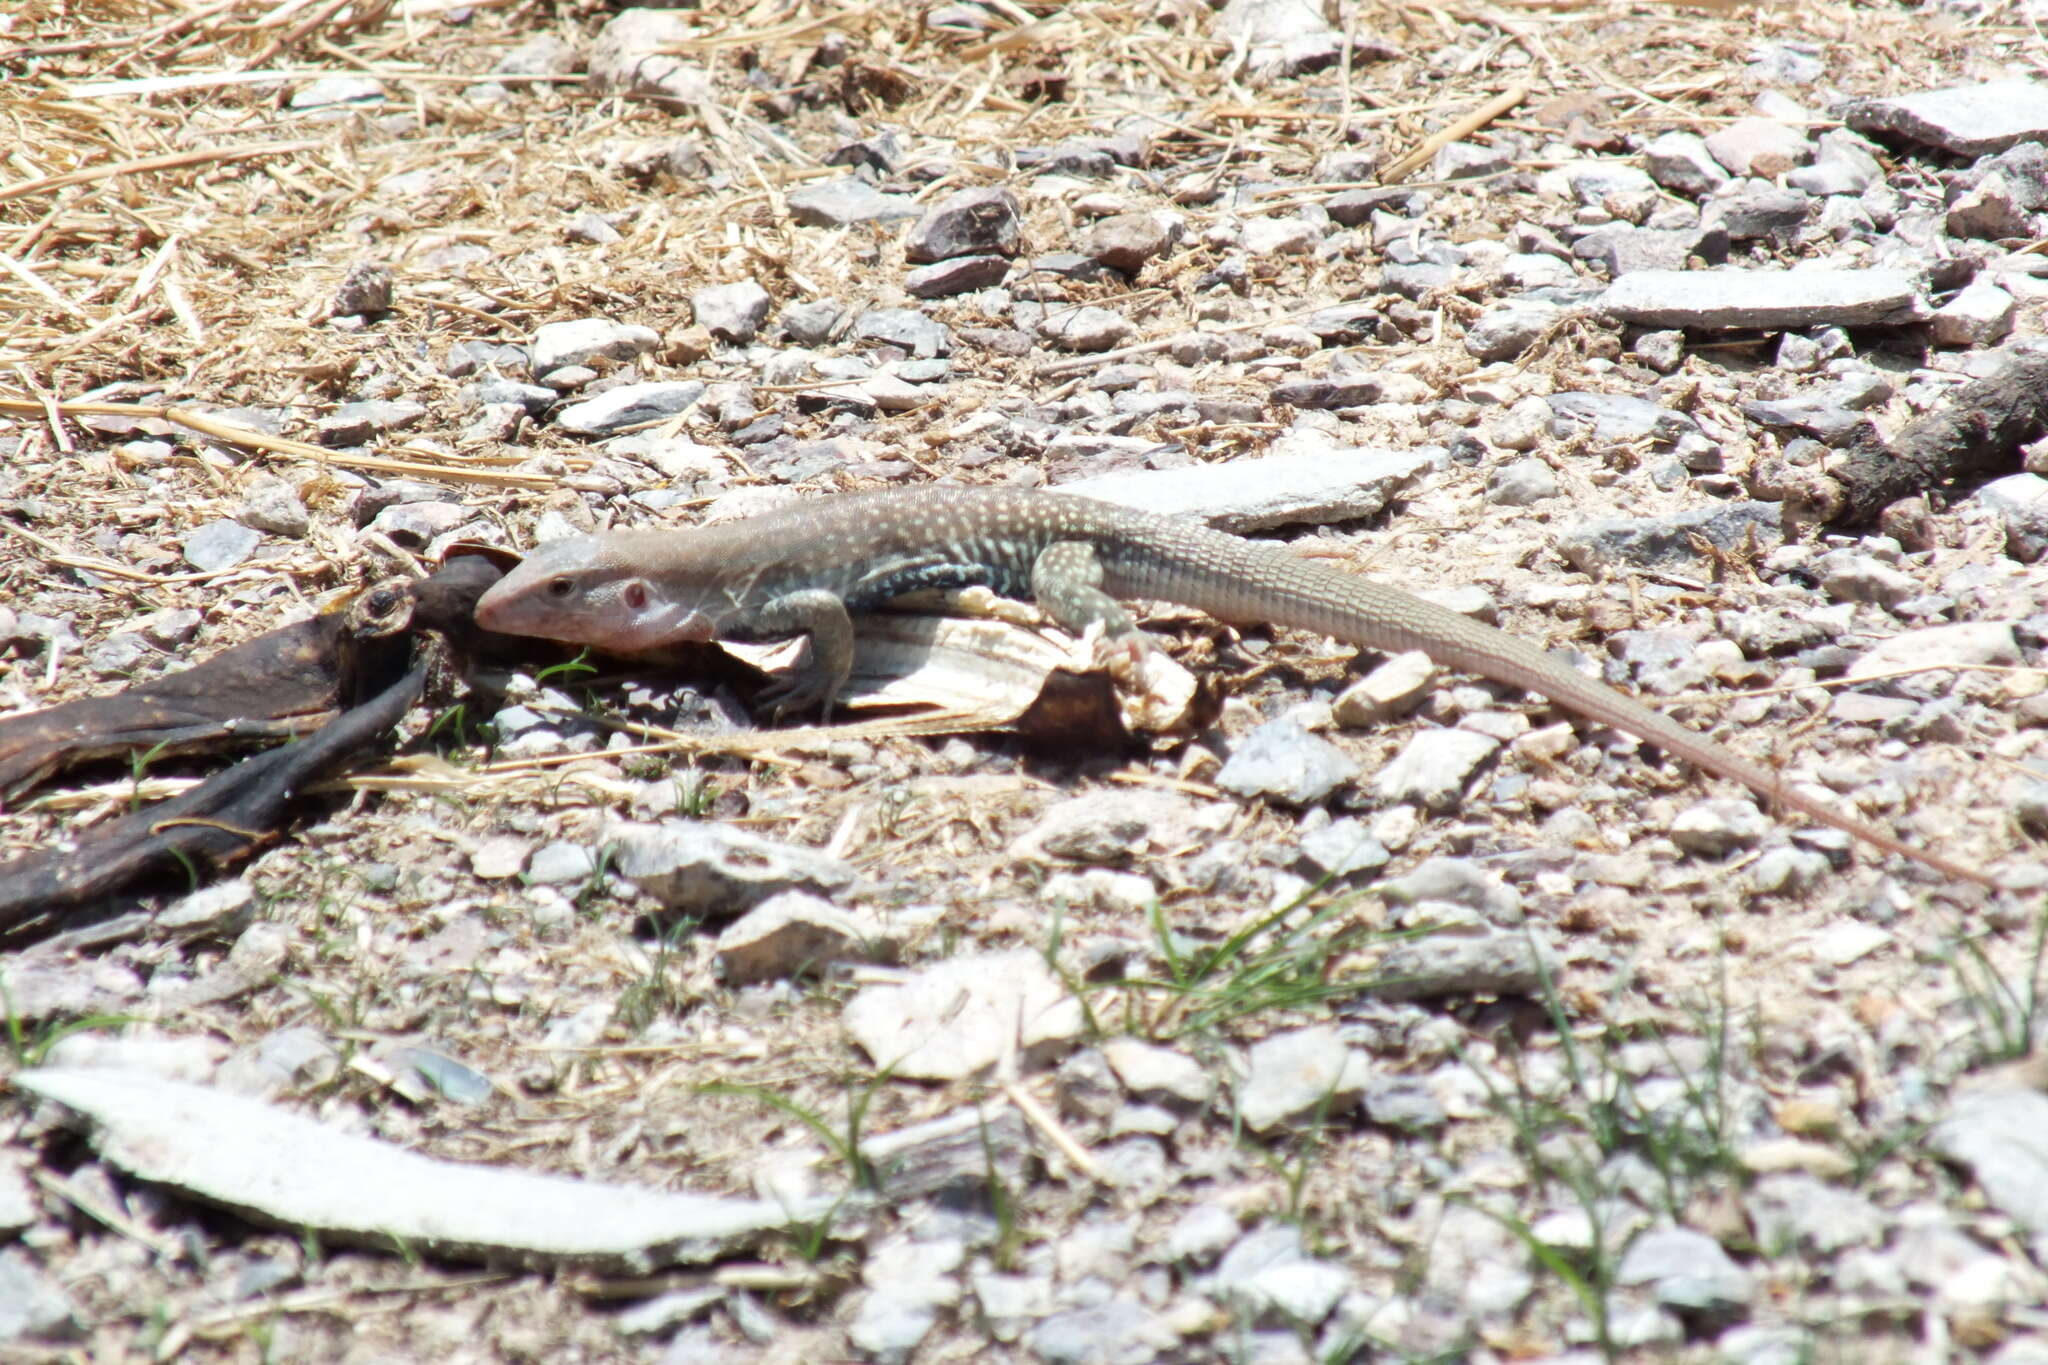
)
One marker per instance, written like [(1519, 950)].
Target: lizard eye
[(562, 588), (635, 595)]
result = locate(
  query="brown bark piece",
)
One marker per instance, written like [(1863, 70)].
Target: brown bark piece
[(1978, 431)]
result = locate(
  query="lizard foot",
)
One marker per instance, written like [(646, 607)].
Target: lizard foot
[(796, 692)]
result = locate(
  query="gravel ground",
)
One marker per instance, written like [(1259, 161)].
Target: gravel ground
[(1360, 1012)]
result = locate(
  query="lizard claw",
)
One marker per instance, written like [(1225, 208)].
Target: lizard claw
[(794, 692)]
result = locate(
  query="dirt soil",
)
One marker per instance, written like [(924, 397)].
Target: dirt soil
[(182, 224)]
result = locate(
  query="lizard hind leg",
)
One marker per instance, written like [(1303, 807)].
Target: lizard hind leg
[(1066, 579)]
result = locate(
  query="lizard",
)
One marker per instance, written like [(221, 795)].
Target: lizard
[(803, 569)]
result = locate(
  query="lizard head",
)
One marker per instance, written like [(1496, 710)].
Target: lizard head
[(585, 590)]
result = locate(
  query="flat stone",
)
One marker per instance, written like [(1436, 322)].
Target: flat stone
[(1981, 314), (785, 935), (708, 869), (845, 203), (1125, 241), (1667, 542), (33, 1304), (1292, 1074), (959, 1017), (972, 222), (580, 341), (2001, 1137), (905, 328), (1759, 146), (221, 545), (1433, 767), (1312, 486), (1681, 162), (1478, 960), (1086, 329), (299, 1173), (1507, 330), (1159, 1074), (630, 405), (2021, 502), (732, 312), (1970, 642), (1969, 120), (352, 424), (634, 56), (1282, 761), (959, 275), (1687, 1270), (1766, 300)]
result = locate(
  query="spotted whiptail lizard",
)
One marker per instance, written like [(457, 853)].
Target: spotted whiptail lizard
[(801, 570)]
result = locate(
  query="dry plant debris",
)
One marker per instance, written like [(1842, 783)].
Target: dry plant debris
[(1386, 1020)]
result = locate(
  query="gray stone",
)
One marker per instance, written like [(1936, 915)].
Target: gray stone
[(1290, 1075), (630, 405), (1760, 147), (959, 1017), (1522, 483), (352, 424), (1687, 1271), (220, 545), (1122, 1331), (1433, 767), (473, 357), (32, 1302), (1981, 314), (1404, 1103), (1158, 1074), (958, 275), (1479, 961), (1767, 300), (1756, 210), (1764, 1345), (1967, 643), (17, 1200), (1969, 120), (1281, 760), (971, 222), (633, 56), (811, 323), (556, 345), (1319, 482), (705, 869), (1718, 826), (1797, 1212), (1456, 881), (1125, 241), (1843, 163), (1991, 210), (1667, 542), (333, 90), (1201, 1234), (905, 328), (1341, 848), (592, 228), (1507, 330), (787, 934), (295, 1171), (2001, 1138), (732, 312), (560, 862), (2021, 503), (1086, 329), (365, 289), (845, 203)]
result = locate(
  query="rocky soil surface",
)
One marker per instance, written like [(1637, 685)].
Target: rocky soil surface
[(1391, 1016)]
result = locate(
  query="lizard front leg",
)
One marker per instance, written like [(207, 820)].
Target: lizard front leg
[(820, 614)]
